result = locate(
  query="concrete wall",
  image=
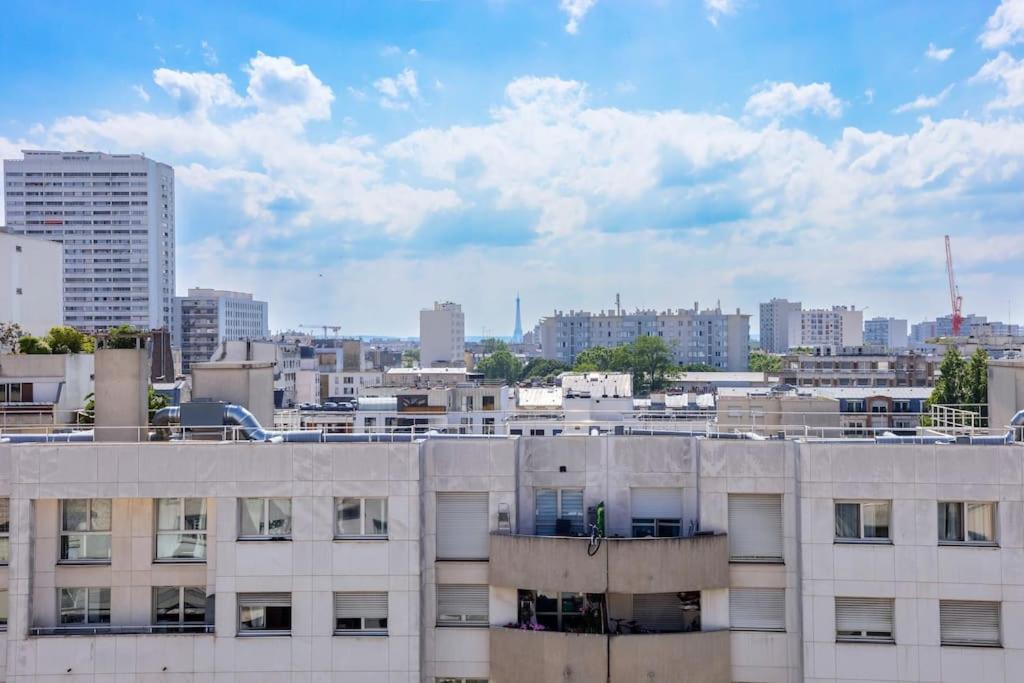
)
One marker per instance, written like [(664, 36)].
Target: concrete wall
[(248, 384), (122, 404), (519, 656), (1005, 391), (667, 565), (31, 283), (700, 657), (548, 563)]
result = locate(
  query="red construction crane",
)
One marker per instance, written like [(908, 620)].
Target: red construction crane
[(956, 301)]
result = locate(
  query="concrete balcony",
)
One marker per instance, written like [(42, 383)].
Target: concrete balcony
[(620, 565), (527, 656)]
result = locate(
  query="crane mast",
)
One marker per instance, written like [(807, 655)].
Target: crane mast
[(956, 301)]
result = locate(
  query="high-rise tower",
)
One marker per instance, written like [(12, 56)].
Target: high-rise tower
[(517, 333)]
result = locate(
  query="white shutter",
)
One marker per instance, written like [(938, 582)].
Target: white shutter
[(264, 599), (361, 605), (658, 611), (757, 609), (658, 503), (969, 622), (547, 512), (755, 527), (462, 603), (870, 617), (462, 526)]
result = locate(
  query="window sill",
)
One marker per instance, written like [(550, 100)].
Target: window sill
[(462, 559), (177, 560), (988, 646), (264, 634), (756, 560), (863, 541), (449, 625), (262, 539), (350, 634), (107, 630), (757, 630), (967, 544), (866, 641), (79, 563), (366, 537)]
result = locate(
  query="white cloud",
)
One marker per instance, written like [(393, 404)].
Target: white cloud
[(397, 92), (141, 92), (1009, 73), (939, 54), (576, 10), (280, 85), (356, 93), (197, 92), (869, 95), (787, 99), (209, 54), (924, 102), (716, 9), (1005, 26)]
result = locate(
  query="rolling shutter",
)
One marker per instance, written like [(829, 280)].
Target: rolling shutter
[(658, 611), (864, 618), (265, 599), (462, 604), (547, 512), (757, 609), (963, 622), (361, 605), (755, 527), (657, 503), (462, 526)]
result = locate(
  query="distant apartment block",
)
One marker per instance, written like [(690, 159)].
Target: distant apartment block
[(858, 366), (442, 335), (114, 214), (31, 282), (890, 333), (973, 325), (709, 336), (837, 326), (207, 317), (774, 324)]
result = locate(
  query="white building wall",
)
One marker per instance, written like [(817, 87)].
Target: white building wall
[(442, 335), (31, 283)]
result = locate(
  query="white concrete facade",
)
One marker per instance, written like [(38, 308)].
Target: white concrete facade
[(114, 215), (31, 283), (837, 327), (774, 324), (442, 335), (207, 317), (890, 333)]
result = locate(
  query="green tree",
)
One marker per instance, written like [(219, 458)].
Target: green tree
[(501, 365), (949, 387), (10, 333), (594, 359), (697, 367), (765, 362), (491, 344), (33, 345), (122, 337), (651, 360), (976, 378), (66, 339), (542, 368), (410, 358)]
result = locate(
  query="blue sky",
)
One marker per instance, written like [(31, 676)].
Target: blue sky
[(352, 162)]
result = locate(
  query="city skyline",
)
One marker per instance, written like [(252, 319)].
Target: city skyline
[(668, 152)]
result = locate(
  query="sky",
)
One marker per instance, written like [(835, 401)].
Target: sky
[(353, 162)]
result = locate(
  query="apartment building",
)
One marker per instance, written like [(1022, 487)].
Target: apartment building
[(114, 216), (31, 282), (442, 335), (446, 559), (858, 366), (888, 333), (709, 336), (837, 326), (774, 324), (207, 317)]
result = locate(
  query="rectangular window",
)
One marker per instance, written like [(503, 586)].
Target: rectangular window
[(755, 528), (657, 512), (462, 605), (557, 611), (463, 530), (966, 522), (264, 613), (972, 623), (559, 512), (3, 609), (864, 620), (180, 529), (85, 530), (667, 612), (5, 530), (179, 608), (84, 606), (361, 613), (361, 517), (862, 521), (261, 518), (757, 609)]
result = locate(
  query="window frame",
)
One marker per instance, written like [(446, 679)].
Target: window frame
[(965, 530), (240, 603), (362, 536), (86, 623), (463, 621), (264, 519), (363, 630), (861, 538), (182, 625), (90, 532), (997, 643), (180, 531), (5, 612), (560, 509), (5, 531), (656, 523), (863, 635), (561, 615)]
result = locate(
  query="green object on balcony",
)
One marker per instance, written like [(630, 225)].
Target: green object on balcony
[(599, 523)]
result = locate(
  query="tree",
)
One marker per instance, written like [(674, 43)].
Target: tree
[(33, 345), (594, 359), (122, 337), (10, 333), (491, 344), (765, 362), (66, 339), (697, 367), (975, 388), (949, 387), (501, 365), (651, 359), (542, 368), (410, 358)]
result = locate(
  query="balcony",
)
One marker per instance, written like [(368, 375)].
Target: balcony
[(527, 656), (620, 565)]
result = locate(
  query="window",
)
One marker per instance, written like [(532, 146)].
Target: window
[(81, 606), (757, 609), (667, 612), (656, 511), (462, 605), (755, 528), (3, 610), (181, 529), (862, 521), (559, 512), (5, 530), (85, 530), (264, 613), (963, 522), (460, 680), (864, 619), (556, 611), (179, 608), (487, 402), (965, 622), (361, 517), (463, 531), (265, 518), (361, 613)]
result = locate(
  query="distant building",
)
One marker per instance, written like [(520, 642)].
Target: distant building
[(207, 317), (890, 333), (296, 376), (721, 340), (31, 282), (517, 332), (858, 366), (442, 335), (114, 214), (837, 326), (774, 324)]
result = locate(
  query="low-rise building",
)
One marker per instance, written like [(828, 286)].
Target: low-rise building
[(32, 282), (43, 389), (858, 366)]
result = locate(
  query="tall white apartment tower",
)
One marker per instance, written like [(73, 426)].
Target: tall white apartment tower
[(774, 324), (114, 214), (442, 335)]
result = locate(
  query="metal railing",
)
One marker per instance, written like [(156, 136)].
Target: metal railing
[(962, 418)]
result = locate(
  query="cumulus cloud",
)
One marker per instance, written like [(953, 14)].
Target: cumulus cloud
[(197, 92), (280, 85), (776, 100), (924, 102), (939, 54), (1009, 74), (576, 10), (397, 92), (716, 9), (1005, 26)]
